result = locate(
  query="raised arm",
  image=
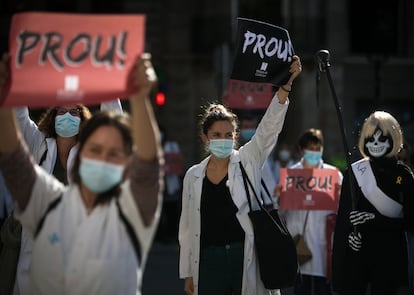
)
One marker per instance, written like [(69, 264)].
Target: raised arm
[(144, 126), (10, 135), (145, 172), (295, 70), (113, 105), (15, 162)]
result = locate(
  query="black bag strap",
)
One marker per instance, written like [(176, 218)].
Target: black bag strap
[(306, 221), (51, 206), (247, 182), (43, 157), (130, 231), (266, 190)]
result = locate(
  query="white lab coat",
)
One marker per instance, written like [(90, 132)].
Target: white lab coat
[(252, 155), (315, 231), (78, 253), (38, 144)]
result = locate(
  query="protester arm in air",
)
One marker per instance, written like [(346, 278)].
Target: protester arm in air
[(295, 69), (148, 151), (15, 161)]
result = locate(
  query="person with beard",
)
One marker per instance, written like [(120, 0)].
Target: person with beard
[(370, 247)]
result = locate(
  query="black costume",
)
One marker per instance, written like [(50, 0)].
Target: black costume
[(382, 259)]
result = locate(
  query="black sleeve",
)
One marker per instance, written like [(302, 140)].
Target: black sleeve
[(342, 229), (408, 193)]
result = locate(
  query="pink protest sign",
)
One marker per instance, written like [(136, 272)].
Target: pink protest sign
[(247, 95), (309, 189), (57, 58)]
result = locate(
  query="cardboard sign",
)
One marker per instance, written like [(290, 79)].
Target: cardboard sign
[(263, 55), (309, 189), (59, 59)]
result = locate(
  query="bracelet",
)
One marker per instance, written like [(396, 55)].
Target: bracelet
[(286, 90)]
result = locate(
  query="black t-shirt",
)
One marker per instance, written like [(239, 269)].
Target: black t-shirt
[(219, 224)]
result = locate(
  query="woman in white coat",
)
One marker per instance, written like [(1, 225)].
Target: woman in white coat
[(92, 236), (52, 143), (312, 224), (215, 233)]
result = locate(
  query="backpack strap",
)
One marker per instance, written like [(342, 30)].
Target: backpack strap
[(43, 157), (51, 206), (129, 229), (130, 232)]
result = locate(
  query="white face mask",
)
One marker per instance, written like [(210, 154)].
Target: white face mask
[(284, 155), (100, 176), (312, 157), (221, 148), (67, 125), (378, 145)]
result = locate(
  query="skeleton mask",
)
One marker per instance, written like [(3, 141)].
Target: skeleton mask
[(378, 145)]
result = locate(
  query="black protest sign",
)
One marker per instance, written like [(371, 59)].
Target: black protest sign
[(263, 53)]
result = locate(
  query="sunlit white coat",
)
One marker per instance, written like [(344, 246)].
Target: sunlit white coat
[(252, 155)]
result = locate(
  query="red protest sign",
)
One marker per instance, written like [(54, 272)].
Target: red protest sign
[(309, 189), (247, 95), (59, 58)]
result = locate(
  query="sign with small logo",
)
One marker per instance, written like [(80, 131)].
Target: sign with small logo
[(309, 189), (262, 60), (58, 59)]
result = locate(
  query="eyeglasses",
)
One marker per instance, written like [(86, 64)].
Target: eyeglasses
[(73, 112)]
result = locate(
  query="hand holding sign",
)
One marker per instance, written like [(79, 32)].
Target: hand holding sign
[(309, 189), (295, 69), (143, 76), (264, 58), (72, 58)]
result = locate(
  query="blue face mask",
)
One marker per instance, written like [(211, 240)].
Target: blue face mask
[(247, 134), (100, 176), (67, 125), (221, 148), (312, 158)]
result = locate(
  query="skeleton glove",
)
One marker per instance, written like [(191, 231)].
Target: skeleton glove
[(355, 241), (359, 217)]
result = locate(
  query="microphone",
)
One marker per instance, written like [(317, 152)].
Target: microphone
[(322, 57)]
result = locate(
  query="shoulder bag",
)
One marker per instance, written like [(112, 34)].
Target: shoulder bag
[(274, 246)]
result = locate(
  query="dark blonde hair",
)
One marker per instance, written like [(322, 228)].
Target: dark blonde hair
[(46, 123), (389, 127)]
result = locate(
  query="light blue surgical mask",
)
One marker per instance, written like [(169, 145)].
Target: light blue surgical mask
[(221, 148), (67, 125), (247, 134), (284, 155), (100, 176), (312, 157)]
